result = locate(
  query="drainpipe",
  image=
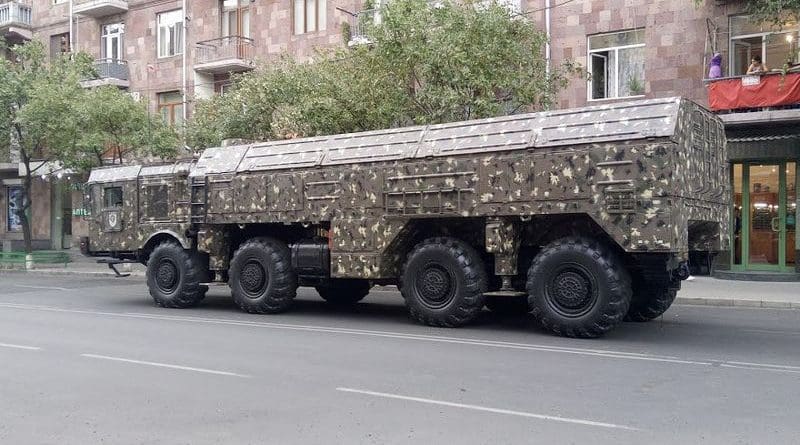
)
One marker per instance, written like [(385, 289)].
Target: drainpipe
[(185, 49), (71, 30), (547, 31)]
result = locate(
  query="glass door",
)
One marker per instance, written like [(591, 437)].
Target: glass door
[(764, 216), (111, 42)]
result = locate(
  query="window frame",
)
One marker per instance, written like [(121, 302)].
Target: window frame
[(171, 106), (319, 24), (764, 35), (180, 24), (242, 11), (106, 205), (109, 32), (616, 49)]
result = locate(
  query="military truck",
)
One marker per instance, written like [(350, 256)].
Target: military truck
[(582, 217)]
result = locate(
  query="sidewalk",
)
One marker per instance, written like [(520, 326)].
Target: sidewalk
[(705, 291)]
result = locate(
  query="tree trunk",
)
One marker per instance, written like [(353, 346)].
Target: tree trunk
[(22, 212)]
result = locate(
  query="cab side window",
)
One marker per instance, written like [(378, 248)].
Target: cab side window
[(158, 201), (112, 197)]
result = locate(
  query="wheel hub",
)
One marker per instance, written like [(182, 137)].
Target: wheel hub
[(571, 292), (167, 275), (435, 286), (253, 278)]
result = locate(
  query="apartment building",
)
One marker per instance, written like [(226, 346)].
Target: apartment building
[(170, 56)]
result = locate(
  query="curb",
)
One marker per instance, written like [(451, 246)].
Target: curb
[(734, 302), (688, 301), (67, 273)]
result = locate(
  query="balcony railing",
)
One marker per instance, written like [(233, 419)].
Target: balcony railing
[(15, 15), (225, 54), (754, 92), (361, 24), (100, 8), (109, 72)]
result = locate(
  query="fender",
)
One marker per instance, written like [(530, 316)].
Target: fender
[(181, 239)]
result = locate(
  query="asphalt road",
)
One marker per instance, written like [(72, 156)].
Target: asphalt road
[(91, 360)]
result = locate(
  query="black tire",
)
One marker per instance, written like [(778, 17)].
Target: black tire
[(651, 302), (261, 277), (443, 282), (578, 288), (344, 292), (174, 276), (508, 306)]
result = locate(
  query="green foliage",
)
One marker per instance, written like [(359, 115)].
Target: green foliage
[(425, 65), (775, 12), (46, 115)]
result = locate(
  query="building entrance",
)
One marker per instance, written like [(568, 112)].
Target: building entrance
[(764, 216)]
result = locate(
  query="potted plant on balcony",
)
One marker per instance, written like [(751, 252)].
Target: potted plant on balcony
[(635, 85)]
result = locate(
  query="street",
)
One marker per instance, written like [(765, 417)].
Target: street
[(91, 360)]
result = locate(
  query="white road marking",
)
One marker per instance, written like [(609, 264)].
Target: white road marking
[(40, 287), (489, 410), (165, 365), (29, 348), (767, 365), (404, 336), (769, 331), (759, 368)]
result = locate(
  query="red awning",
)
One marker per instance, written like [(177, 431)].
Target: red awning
[(769, 90)]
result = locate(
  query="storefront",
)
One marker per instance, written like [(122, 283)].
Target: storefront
[(765, 179)]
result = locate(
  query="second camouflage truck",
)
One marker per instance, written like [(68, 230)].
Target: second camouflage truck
[(582, 217)]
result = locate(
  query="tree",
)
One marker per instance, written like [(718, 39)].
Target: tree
[(425, 64), (118, 127), (775, 12), (50, 119)]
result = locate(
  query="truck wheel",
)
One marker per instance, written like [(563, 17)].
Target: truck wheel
[(344, 292), (261, 277), (443, 282), (174, 277), (508, 306), (649, 303), (577, 288)]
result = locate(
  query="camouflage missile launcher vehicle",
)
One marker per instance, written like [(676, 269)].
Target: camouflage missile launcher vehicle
[(582, 217)]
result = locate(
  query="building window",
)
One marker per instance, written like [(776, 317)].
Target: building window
[(309, 15), (776, 47), (112, 197), (14, 223), (170, 106), (235, 18), (616, 64), (111, 43), (170, 33), (59, 44)]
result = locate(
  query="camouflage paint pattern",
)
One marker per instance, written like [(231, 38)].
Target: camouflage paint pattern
[(643, 171)]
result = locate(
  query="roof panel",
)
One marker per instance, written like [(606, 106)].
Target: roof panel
[(219, 160), (111, 174)]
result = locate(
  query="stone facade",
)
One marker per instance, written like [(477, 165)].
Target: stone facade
[(675, 41)]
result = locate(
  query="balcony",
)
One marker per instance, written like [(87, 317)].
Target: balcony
[(16, 21), (109, 72), (771, 97), (361, 24), (100, 8), (224, 55)]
